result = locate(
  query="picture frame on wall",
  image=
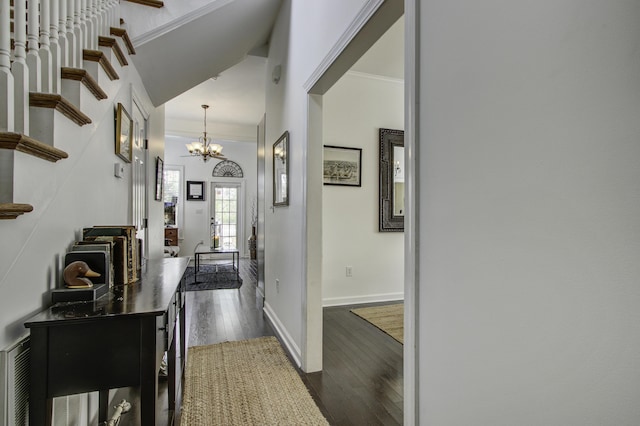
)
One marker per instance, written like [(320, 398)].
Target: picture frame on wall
[(342, 166), (124, 134), (159, 178), (195, 190), (281, 171)]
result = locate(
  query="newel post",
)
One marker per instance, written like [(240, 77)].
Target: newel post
[(6, 78)]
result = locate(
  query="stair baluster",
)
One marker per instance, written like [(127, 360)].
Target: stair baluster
[(77, 31), (74, 58), (19, 68), (62, 33), (45, 52), (94, 16), (85, 29), (54, 46), (103, 16), (116, 13), (7, 118), (33, 47)]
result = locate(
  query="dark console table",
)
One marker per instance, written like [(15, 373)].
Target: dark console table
[(115, 341)]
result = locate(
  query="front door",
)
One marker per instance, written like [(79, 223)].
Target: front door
[(226, 205)]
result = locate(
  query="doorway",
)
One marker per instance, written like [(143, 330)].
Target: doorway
[(226, 220), (368, 28), (139, 172)]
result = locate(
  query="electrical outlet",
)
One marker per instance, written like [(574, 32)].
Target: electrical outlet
[(277, 285), (349, 271)]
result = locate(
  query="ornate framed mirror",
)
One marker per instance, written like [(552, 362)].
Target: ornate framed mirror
[(281, 171), (391, 207)]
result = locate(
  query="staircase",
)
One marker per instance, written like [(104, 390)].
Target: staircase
[(60, 62)]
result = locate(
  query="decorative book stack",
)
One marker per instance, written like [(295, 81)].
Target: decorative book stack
[(111, 251), (126, 263)]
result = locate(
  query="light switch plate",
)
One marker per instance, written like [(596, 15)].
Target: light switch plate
[(118, 170)]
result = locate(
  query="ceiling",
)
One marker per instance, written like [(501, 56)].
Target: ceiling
[(194, 46), (234, 88), (236, 99)]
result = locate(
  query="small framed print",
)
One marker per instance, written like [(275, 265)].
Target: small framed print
[(342, 166), (124, 134), (195, 190)]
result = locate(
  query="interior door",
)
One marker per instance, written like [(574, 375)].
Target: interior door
[(139, 171), (261, 204)]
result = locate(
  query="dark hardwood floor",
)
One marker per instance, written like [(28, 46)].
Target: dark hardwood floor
[(361, 383), (362, 378)]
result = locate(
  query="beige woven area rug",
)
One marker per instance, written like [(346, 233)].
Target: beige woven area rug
[(388, 318), (250, 382)]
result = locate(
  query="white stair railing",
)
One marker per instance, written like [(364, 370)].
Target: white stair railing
[(37, 39)]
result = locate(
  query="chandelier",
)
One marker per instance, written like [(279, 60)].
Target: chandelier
[(203, 147)]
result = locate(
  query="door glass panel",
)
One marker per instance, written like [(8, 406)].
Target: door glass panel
[(226, 215)]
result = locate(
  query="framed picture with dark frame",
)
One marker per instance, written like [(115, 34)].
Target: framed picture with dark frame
[(124, 134), (281, 171), (195, 190), (342, 166), (159, 178)]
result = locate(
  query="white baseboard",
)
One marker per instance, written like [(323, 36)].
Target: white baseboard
[(356, 300), (283, 334)]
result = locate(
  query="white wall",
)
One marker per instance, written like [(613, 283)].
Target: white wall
[(304, 33), (197, 214), (529, 207), (354, 110), (73, 193)]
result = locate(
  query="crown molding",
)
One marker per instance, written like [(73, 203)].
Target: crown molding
[(369, 76)]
